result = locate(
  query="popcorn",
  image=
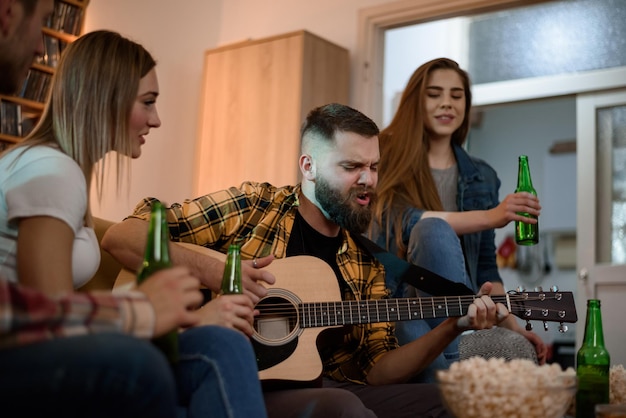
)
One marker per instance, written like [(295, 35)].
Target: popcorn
[(617, 382), (518, 388)]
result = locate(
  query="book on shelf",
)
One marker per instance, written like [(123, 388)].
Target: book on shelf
[(53, 47), (36, 85), (10, 118), (66, 18)]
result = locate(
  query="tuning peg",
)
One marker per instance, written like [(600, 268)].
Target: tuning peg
[(538, 289), (545, 326), (520, 289), (554, 289), (529, 326), (562, 327)]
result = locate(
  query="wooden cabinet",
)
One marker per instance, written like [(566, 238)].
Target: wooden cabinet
[(255, 97), (20, 112)]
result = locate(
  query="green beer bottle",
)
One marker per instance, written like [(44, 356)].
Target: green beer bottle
[(157, 257), (592, 365), (525, 233), (231, 280)]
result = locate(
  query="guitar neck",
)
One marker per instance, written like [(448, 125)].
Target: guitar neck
[(321, 314)]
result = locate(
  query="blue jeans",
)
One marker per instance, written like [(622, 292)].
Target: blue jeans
[(104, 375), (434, 245), (114, 375), (217, 375)]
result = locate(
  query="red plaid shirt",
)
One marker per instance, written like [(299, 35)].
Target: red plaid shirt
[(28, 316)]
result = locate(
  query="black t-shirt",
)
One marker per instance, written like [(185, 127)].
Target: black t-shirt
[(305, 240)]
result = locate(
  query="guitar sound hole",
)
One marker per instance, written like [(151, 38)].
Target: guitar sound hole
[(277, 320), (276, 329)]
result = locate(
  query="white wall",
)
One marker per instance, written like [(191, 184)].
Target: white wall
[(178, 33), (408, 47)]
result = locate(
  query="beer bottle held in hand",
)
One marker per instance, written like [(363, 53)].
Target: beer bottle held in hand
[(592, 365), (157, 257), (525, 233), (231, 280)]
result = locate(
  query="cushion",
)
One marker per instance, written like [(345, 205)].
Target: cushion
[(496, 342)]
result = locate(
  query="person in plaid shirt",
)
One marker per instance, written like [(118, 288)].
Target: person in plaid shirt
[(319, 217)]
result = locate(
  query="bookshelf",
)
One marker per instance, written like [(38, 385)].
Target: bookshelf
[(20, 112)]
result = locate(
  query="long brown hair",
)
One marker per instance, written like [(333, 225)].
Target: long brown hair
[(404, 177)]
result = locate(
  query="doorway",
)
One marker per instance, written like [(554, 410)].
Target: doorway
[(601, 124)]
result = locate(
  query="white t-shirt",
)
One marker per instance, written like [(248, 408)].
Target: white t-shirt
[(43, 181)]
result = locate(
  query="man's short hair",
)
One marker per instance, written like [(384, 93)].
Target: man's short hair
[(325, 121)]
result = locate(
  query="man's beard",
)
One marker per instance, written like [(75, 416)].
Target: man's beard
[(350, 216)]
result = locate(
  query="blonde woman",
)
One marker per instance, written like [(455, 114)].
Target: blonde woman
[(102, 99)]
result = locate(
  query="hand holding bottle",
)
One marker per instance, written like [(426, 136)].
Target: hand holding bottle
[(525, 233), (174, 295), (515, 207), (231, 311)]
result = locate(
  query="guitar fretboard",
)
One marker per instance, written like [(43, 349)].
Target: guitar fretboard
[(321, 314)]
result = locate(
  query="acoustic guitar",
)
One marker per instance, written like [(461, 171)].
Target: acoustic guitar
[(306, 300)]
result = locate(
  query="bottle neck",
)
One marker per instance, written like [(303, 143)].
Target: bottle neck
[(593, 326), (157, 248), (231, 280), (524, 181)]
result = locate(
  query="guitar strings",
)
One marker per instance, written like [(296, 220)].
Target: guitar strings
[(314, 309)]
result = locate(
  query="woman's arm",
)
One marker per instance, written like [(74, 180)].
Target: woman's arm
[(478, 220), (44, 254)]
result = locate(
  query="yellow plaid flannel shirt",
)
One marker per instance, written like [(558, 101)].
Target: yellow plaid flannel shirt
[(260, 218)]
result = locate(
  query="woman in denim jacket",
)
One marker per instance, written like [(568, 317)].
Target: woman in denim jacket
[(438, 206)]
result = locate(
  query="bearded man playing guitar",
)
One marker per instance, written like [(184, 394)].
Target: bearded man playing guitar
[(365, 372)]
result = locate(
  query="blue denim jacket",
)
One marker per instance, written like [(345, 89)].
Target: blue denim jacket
[(478, 187)]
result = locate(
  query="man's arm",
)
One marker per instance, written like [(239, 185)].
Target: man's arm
[(401, 364), (160, 304), (126, 241), (28, 315)]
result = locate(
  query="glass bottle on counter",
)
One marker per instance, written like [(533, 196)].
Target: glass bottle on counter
[(592, 365)]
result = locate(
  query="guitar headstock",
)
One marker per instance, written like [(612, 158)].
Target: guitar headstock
[(553, 306)]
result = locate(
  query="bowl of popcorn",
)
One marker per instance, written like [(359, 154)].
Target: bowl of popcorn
[(495, 388)]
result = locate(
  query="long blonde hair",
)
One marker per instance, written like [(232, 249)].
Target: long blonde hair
[(404, 177), (90, 102)]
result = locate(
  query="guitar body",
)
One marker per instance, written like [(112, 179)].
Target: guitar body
[(285, 350)]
